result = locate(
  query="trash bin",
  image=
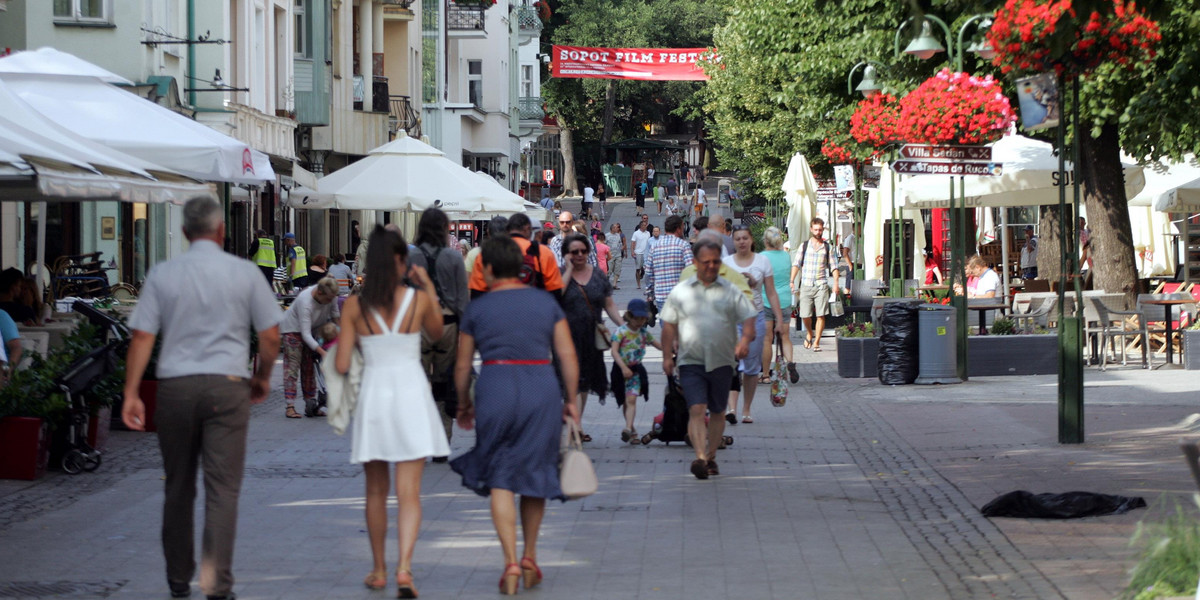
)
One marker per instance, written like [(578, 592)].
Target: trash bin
[(937, 327), (898, 348)]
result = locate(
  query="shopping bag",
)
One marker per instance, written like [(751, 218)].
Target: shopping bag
[(779, 385)]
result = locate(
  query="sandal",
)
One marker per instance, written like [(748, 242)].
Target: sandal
[(731, 418), (764, 378), (793, 374), (508, 581), (712, 468), (530, 572), (700, 468), (808, 343), (625, 434), (404, 585), (747, 419), (633, 438), (583, 437), (376, 580), (291, 413)]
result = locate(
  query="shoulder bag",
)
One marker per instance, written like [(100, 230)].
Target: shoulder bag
[(576, 475), (602, 336), (342, 390)]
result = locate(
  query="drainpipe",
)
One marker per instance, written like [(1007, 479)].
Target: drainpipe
[(191, 50)]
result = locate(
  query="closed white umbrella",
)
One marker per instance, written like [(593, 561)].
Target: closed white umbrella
[(800, 192)]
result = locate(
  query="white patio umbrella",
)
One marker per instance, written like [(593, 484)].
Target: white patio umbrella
[(800, 193), (535, 211), (1029, 178), (408, 175), (1170, 187), (879, 210), (73, 93)]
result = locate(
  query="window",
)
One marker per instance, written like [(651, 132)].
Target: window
[(83, 11), (302, 50), (526, 81), (475, 82)]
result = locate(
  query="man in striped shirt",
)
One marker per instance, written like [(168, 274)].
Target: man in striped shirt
[(666, 261)]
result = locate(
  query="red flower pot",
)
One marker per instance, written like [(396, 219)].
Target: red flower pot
[(24, 447)]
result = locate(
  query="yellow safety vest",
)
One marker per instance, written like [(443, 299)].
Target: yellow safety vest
[(265, 257), (301, 268)]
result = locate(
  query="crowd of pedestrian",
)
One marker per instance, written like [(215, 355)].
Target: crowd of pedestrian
[(531, 306)]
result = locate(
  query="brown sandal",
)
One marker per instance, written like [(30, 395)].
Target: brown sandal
[(292, 414)]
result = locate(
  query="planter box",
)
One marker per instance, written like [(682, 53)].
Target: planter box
[(858, 357), (1191, 349), (24, 448), (99, 424), (1012, 355)]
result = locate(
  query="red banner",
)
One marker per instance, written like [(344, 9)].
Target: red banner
[(646, 64)]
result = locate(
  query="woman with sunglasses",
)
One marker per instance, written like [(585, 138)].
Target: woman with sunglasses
[(586, 292), (760, 276)]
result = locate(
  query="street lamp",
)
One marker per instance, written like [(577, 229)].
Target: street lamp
[(924, 46), (983, 48), (869, 86)]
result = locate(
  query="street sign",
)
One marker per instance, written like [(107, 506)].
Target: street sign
[(548, 175), (946, 167), (957, 153)]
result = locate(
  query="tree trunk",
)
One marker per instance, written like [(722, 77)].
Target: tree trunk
[(1108, 213), (1047, 253), (610, 106), (567, 148)]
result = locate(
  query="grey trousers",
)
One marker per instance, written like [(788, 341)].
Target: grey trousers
[(202, 417)]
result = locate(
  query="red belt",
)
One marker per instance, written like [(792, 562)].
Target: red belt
[(515, 362)]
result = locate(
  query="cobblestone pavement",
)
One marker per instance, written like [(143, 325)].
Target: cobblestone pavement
[(851, 490)]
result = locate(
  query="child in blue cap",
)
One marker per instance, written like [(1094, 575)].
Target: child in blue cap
[(629, 378)]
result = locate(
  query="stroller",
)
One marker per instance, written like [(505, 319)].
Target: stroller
[(81, 376), (671, 424)]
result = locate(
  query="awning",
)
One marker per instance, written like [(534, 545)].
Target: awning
[(69, 92)]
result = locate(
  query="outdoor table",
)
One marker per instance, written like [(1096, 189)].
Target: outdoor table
[(982, 309), (1167, 304)]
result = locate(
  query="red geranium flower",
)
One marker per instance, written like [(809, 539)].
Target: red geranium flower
[(954, 108)]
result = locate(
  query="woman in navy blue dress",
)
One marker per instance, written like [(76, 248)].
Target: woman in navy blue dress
[(519, 408)]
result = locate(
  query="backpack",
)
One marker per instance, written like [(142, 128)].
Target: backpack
[(531, 272)]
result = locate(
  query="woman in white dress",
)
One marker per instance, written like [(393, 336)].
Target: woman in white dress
[(395, 420)]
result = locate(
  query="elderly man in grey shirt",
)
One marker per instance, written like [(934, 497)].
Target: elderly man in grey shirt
[(204, 303), (702, 314)]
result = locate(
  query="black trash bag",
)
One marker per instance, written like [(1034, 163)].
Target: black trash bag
[(1071, 505), (899, 352)]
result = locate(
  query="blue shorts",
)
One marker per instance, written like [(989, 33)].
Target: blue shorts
[(710, 388), (752, 364)]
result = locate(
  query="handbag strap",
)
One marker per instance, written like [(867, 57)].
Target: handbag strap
[(575, 435), (583, 292)]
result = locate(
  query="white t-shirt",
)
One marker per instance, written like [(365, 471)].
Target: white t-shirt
[(1029, 253), (757, 272), (588, 192), (700, 195), (640, 238), (850, 242), (988, 282)]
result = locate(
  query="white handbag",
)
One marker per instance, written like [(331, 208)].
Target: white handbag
[(576, 475), (341, 390)]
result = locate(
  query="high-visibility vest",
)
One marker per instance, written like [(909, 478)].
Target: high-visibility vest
[(265, 257), (301, 268)]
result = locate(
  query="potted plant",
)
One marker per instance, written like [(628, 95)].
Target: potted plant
[(1005, 351), (30, 405), (1191, 346), (857, 350)]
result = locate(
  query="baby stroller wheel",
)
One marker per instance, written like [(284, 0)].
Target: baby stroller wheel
[(646, 439), (73, 462), (91, 462), (727, 440)]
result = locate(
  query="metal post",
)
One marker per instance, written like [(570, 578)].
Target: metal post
[(1070, 328), (895, 267), (958, 268)]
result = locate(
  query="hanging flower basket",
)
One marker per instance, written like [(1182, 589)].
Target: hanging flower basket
[(1035, 36), (841, 149), (874, 122), (954, 108)]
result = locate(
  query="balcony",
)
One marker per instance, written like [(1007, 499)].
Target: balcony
[(402, 116), (398, 10), (267, 133), (352, 132), (529, 22), (466, 20), (529, 108)]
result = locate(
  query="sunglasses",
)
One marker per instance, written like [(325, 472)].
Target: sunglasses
[(564, 222), (577, 252)]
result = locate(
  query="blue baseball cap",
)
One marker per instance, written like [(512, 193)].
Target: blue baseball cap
[(637, 308), (289, 236)]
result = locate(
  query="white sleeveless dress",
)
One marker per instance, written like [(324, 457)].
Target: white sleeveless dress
[(396, 419)]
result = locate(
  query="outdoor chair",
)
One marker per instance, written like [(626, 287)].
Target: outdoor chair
[(862, 294), (1155, 325), (1114, 324), (1037, 312)]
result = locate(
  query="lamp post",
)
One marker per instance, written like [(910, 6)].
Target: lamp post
[(868, 87)]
